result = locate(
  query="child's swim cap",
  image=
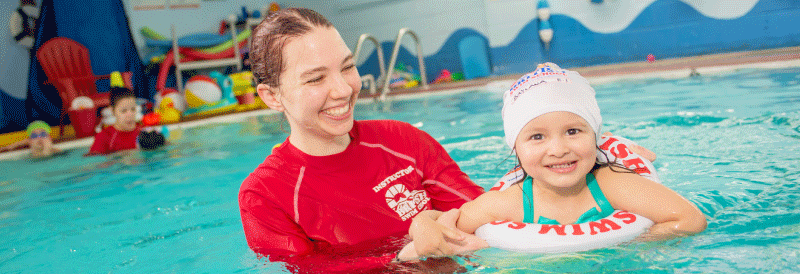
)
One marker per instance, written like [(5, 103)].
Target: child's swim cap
[(38, 125), (548, 89)]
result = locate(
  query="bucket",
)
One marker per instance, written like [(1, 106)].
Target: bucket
[(83, 121)]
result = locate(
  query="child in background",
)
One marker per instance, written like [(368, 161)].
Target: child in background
[(552, 121), (122, 134), (39, 140)]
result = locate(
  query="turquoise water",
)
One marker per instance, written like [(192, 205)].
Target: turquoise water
[(729, 143)]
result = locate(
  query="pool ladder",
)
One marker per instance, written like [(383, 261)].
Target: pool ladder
[(369, 78), (386, 76)]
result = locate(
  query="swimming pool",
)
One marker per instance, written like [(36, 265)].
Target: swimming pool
[(728, 142)]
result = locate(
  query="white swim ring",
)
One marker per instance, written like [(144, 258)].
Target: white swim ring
[(620, 226)]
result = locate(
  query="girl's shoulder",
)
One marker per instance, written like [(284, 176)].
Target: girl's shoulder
[(614, 176), (619, 185)]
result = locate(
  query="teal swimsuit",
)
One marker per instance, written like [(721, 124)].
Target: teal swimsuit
[(591, 215)]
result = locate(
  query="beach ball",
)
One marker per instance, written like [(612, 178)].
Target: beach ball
[(202, 90)]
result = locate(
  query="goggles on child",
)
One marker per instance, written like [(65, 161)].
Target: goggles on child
[(41, 134)]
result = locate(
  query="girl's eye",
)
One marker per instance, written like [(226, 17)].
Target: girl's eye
[(349, 67), (573, 131), (537, 137)]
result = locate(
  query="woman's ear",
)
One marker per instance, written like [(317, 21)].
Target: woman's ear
[(270, 96)]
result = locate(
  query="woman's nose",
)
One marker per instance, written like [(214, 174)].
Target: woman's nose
[(340, 88)]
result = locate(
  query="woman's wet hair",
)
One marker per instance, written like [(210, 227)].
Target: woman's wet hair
[(271, 35)]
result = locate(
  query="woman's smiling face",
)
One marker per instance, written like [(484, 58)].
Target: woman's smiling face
[(319, 85)]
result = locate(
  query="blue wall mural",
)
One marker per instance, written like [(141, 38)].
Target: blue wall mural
[(665, 28)]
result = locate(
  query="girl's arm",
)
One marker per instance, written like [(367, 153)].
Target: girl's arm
[(674, 216)]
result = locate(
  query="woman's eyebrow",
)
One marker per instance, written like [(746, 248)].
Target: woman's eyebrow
[(348, 58), (312, 71)]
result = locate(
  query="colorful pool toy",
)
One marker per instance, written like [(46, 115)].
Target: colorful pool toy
[(226, 103)]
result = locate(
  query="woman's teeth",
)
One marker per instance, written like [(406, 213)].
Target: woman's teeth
[(338, 111)]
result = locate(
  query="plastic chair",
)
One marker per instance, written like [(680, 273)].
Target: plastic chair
[(67, 66)]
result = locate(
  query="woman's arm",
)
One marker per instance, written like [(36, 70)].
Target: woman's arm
[(436, 233), (674, 216)]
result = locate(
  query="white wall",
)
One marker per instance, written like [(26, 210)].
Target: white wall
[(433, 21)]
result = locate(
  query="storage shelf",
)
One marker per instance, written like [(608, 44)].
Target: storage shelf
[(208, 64), (204, 64)]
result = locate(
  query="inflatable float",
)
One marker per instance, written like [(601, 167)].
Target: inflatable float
[(620, 226)]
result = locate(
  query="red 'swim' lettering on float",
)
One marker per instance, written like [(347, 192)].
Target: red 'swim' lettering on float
[(626, 217), (576, 230), (637, 165), (558, 228), (498, 187), (604, 225), (621, 151), (511, 225)]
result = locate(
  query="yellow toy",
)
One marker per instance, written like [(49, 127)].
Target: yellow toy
[(243, 87), (245, 92), (167, 111)]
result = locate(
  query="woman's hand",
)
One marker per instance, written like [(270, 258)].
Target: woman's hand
[(438, 238)]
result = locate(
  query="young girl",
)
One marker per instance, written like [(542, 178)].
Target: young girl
[(122, 134), (552, 122)]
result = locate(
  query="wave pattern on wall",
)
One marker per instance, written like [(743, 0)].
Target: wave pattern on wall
[(665, 28)]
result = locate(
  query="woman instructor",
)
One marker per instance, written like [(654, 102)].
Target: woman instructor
[(335, 182)]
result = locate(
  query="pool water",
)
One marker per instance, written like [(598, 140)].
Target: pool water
[(730, 143)]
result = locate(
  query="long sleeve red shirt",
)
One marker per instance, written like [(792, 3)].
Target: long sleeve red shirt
[(295, 204), (112, 140)]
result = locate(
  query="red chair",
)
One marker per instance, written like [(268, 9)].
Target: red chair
[(67, 66)]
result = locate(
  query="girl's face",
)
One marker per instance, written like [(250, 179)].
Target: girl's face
[(125, 114), (557, 148), (319, 84)]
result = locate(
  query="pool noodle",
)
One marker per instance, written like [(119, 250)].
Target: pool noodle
[(189, 55), (151, 34)]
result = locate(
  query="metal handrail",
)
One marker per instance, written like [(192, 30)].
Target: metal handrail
[(371, 82), (396, 51), (378, 48)]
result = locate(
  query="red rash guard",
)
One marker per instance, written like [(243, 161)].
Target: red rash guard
[(112, 140), (296, 206)]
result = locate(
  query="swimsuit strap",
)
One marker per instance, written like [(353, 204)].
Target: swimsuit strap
[(527, 199), (597, 194), (590, 215)]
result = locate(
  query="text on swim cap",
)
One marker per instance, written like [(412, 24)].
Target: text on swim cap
[(541, 75)]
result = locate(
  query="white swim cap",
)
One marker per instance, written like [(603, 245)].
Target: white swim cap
[(548, 89)]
